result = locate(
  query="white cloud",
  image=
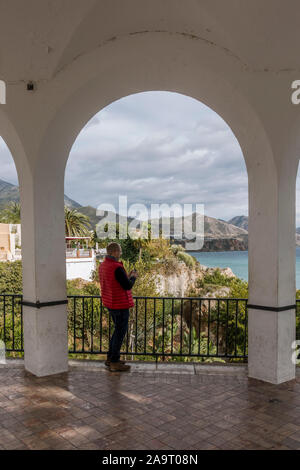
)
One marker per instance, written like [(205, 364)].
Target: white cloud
[(159, 147), (8, 170)]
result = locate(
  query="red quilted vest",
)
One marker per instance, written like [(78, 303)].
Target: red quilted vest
[(113, 295)]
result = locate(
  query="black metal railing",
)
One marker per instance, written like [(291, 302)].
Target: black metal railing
[(163, 327), (11, 322), (159, 327), (298, 319)]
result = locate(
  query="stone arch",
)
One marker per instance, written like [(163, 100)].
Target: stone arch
[(181, 65), (104, 76), (159, 61)]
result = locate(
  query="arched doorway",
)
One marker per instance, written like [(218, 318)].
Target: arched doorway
[(136, 65), (10, 208), (158, 148), (163, 147), (10, 254)]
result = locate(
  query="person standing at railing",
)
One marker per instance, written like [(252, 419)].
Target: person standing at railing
[(116, 296)]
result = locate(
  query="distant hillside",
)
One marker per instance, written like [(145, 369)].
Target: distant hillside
[(213, 228), (71, 203), (239, 221), (223, 236), (242, 222), (10, 193), (91, 212), (218, 235)]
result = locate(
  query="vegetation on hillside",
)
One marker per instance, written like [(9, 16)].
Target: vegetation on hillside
[(76, 224), (237, 288), (168, 325), (11, 277), (11, 322), (11, 214)]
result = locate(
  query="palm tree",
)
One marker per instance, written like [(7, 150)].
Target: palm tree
[(11, 214), (76, 224)]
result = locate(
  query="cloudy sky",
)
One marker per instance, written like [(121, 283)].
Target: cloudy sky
[(155, 147)]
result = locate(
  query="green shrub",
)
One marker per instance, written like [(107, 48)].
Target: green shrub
[(11, 277), (189, 260), (176, 249)]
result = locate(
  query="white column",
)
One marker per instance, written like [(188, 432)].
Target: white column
[(271, 275), (44, 272)]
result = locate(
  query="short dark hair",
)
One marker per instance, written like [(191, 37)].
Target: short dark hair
[(112, 247)]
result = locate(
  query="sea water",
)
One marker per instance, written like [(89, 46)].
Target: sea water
[(237, 261)]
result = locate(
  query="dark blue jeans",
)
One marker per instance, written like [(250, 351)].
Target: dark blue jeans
[(120, 319)]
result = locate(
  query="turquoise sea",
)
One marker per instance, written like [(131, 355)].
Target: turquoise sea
[(237, 261)]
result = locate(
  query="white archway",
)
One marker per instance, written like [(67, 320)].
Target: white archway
[(131, 64)]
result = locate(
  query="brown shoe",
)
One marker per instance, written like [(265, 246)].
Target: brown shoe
[(118, 367), (107, 362)]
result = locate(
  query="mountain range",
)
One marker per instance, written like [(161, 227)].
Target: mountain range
[(10, 193), (220, 235), (240, 221)]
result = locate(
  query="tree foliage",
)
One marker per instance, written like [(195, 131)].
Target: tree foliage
[(76, 224), (11, 214), (11, 277)]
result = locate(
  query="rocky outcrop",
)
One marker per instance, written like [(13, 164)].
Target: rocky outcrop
[(227, 272), (178, 281), (226, 244), (182, 279), (219, 235)]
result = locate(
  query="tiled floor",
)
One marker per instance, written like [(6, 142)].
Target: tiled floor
[(182, 407)]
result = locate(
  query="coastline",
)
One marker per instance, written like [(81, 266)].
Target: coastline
[(237, 261)]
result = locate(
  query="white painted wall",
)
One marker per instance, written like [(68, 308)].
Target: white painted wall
[(80, 268)]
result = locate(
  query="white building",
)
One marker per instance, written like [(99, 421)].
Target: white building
[(80, 260), (10, 242)]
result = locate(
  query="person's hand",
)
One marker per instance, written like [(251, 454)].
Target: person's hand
[(133, 274)]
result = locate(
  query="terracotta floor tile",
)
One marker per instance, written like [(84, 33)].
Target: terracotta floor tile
[(92, 409)]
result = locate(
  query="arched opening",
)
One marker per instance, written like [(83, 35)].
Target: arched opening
[(11, 333), (162, 148), (136, 65), (10, 208), (129, 63)]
